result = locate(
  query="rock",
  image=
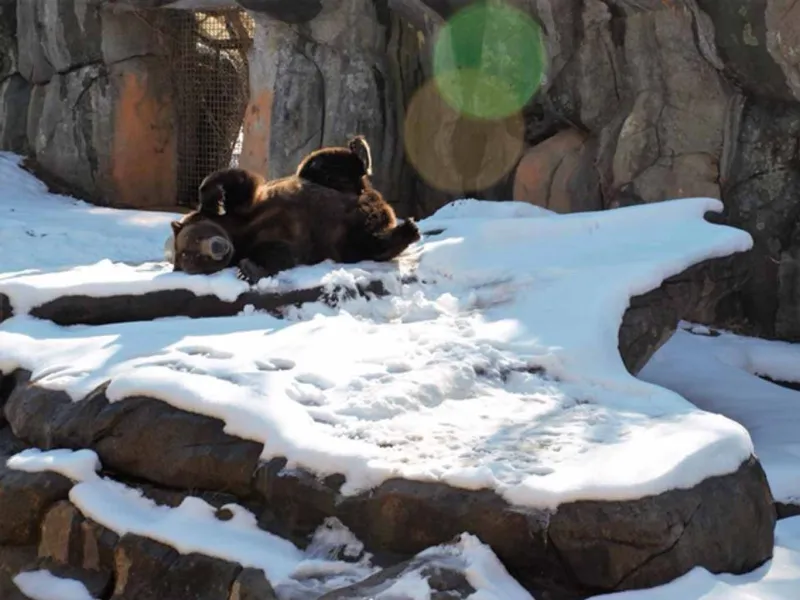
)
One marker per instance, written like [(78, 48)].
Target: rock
[(570, 551), (724, 523), (149, 570), (68, 539), (60, 534), (785, 510), (755, 41), (441, 571), (186, 450), (24, 500), (9, 443), (109, 131), (89, 310), (14, 89), (761, 186), (34, 64), (545, 173), (656, 154), (56, 36), (694, 294), (782, 20), (100, 113), (658, 534), (15, 94), (787, 316), (8, 39), (252, 584), (69, 129), (13, 560)]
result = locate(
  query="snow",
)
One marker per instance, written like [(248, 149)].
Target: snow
[(718, 373), (44, 232), (438, 381), (43, 585), (778, 579)]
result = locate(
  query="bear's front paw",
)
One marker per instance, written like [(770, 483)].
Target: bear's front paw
[(411, 229), (249, 271)]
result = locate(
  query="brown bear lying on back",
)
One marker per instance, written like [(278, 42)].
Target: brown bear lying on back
[(266, 227)]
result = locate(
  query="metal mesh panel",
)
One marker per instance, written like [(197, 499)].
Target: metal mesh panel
[(212, 94)]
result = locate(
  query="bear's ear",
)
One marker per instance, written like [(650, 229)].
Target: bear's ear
[(176, 227)]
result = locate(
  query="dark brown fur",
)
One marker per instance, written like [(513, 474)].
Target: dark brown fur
[(289, 222), (347, 169), (343, 168), (229, 191)]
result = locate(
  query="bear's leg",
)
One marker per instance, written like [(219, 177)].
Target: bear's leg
[(265, 260), (382, 246)]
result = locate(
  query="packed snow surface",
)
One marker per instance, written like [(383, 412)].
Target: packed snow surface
[(498, 368), (719, 372), (43, 232)]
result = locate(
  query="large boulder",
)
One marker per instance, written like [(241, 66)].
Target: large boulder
[(725, 523)]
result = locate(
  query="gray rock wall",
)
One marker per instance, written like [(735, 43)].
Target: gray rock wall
[(678, 98)]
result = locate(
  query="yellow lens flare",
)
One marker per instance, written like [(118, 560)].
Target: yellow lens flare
[(458, 153)]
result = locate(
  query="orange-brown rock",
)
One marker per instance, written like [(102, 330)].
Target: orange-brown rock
[(546, 174)]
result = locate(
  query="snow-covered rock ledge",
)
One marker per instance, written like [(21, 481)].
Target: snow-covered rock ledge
[(724, 524), (488, 396), (107, 292)]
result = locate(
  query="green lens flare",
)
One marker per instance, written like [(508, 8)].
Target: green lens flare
[(489, 60)]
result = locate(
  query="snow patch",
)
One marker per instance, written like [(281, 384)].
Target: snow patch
[(43, 585)]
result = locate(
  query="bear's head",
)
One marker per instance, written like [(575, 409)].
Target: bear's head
[(199, 247)]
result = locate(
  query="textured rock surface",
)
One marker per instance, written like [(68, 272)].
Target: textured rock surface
[(24, 498), (550, 175), (90, 310), (90, 99), (149, 570), (761, 191), (14, 89)]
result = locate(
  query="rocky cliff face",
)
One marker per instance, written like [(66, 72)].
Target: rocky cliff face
[(655, 99)]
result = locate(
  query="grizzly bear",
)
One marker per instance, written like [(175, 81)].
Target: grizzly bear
[(267, 227)]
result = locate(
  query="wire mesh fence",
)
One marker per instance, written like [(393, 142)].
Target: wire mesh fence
[(212, 91)]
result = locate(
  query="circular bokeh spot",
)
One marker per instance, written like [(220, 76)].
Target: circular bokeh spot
[(454, 152), (489, 60)]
